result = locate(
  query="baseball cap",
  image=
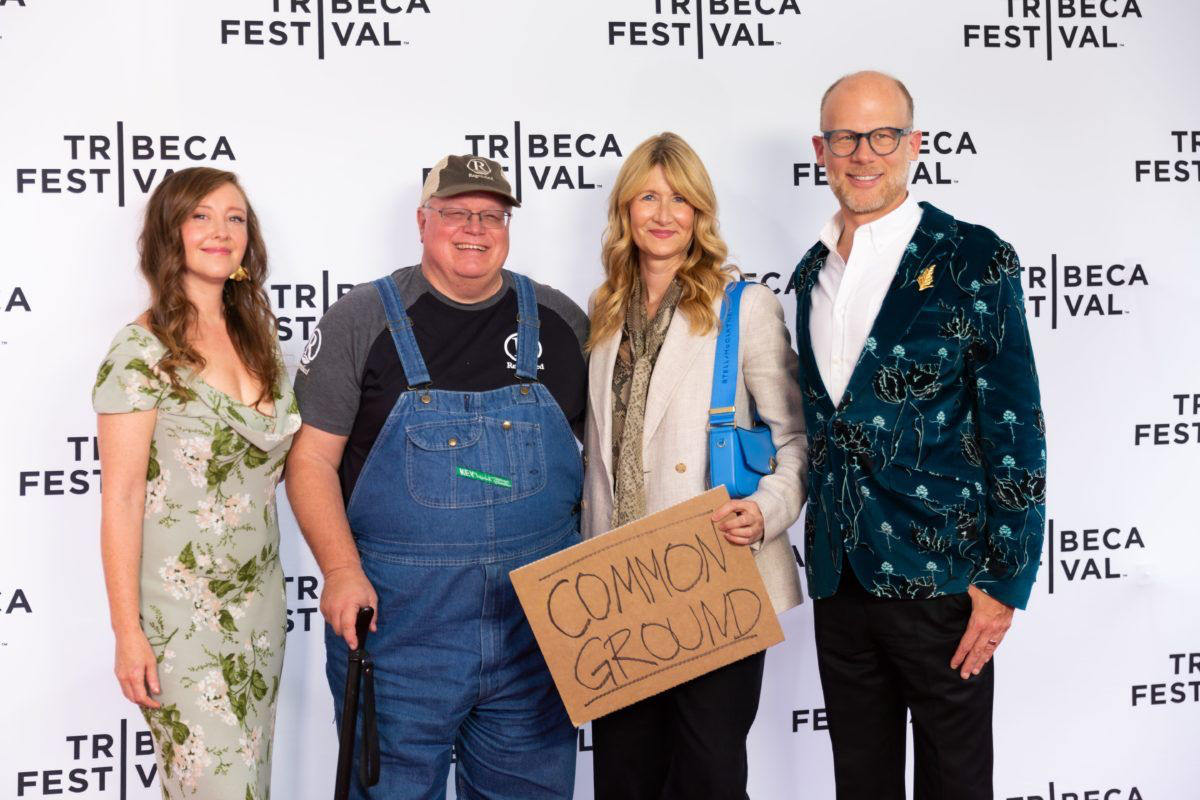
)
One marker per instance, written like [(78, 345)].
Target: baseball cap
[(460, 174)]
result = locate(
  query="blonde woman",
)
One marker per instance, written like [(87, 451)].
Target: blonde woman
[(652, 343)]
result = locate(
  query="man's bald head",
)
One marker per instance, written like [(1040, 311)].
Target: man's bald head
[(867, 183), (868, 81)]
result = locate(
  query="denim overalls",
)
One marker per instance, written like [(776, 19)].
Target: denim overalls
[(459, 489)]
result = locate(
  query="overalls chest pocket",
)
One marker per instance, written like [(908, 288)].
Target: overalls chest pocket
[(474, 461)]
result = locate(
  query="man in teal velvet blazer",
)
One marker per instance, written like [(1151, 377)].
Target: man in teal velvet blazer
[(927, 475)]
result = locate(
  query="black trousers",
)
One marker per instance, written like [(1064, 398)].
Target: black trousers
[(686, 743), (879, 660)]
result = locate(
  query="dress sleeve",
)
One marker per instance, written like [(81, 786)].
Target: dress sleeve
[(128, 378)]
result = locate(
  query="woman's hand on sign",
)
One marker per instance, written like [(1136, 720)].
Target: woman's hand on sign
[(740, 520)]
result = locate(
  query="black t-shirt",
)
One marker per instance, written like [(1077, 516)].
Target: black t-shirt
[(350, 376)]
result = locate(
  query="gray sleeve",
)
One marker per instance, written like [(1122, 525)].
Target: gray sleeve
[(329, 379), (566, 308)]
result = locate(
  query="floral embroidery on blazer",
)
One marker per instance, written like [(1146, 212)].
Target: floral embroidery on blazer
[(931, 473)]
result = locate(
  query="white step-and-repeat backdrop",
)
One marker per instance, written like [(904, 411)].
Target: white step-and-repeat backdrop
[(1071, 127)]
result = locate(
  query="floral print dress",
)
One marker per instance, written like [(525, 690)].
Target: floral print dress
[(212, 597)]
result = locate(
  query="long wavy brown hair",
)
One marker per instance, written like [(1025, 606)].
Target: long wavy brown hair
[(172, 316), (702, 274)]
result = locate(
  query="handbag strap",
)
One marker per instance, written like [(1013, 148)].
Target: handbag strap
[(724, 384)]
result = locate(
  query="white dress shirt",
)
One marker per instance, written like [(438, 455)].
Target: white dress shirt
[(847, 295)]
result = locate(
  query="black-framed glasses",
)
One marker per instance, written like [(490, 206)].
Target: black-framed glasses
[(461, 217), (883, 141)]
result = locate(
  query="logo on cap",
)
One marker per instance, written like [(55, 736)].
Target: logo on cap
[(479, 166)]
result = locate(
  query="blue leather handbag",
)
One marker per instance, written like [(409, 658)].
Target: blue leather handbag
[(737, 457)]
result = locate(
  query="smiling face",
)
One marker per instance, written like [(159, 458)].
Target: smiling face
[(661, 222), (214, 235), (867, 185), (463, 263)]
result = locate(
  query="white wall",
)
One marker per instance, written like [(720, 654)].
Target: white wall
[(331, 140)]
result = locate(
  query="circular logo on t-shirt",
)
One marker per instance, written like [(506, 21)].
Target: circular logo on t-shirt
[(510, 347), (312, 348)]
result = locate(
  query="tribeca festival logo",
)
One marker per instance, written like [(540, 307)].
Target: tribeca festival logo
[(13, 601), (318, 23), (1184, 686), (544, 161), (100, 763), (1055, 793), (1052, 24), (17, 301), (123, 163), (1079, 290), (303, 589), (942, 145), (1179, 170), (1168, 433), (82, 477), (1081, 555), (771, 281), (697, 23), (809, 719), (14, 3), (299, 306)]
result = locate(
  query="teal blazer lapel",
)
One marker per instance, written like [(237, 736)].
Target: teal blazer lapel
[(925, 262), (804, 279)]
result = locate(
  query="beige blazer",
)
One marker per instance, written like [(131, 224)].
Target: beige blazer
[(675, 438)]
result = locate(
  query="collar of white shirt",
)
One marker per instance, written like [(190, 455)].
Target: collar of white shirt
[(882, 235)]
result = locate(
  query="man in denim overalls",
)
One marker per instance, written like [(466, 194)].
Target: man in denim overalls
[(437, 454)]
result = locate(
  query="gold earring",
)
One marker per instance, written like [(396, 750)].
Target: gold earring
[(240, 274)]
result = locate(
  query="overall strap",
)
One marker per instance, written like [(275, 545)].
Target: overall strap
[(401, 327), (724, 384), (528, 346)]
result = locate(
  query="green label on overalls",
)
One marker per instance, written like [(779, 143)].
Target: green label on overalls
[(476, 475)]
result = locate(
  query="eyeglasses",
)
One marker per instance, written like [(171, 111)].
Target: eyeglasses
[(461, 217), (883, 141)]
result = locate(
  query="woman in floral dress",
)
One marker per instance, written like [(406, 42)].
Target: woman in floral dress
[(196, 415)]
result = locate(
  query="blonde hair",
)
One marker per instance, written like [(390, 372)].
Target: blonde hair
[(702, 275)]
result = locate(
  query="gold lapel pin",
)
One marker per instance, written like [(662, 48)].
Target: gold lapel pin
[(925, 278)]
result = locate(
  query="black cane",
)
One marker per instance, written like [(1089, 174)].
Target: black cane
[(358, 670)]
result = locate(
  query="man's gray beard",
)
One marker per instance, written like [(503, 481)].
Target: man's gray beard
[(892, 189)]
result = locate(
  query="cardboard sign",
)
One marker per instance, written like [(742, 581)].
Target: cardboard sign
[(645, 607)]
